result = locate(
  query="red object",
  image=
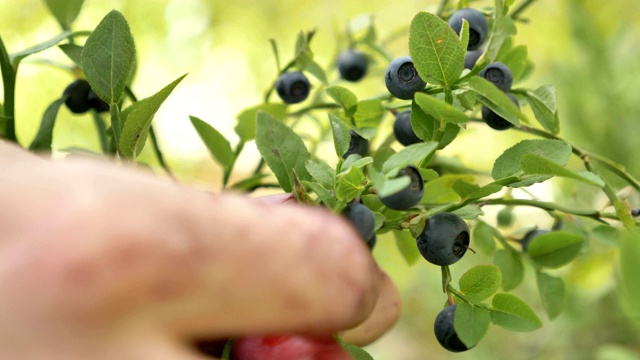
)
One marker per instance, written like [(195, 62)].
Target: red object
[(288, 347)]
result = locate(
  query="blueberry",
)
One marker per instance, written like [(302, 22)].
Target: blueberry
[(446, 333), (499, 74), (357, 145), (471, 58), (478, 27), (409, 196), (494, 120), (403, 131), (96, 103), (352, 65), (293, 87), (77, 94), (528, 237), (444, 240), (362, 218), (402, 78), (505, 217), (371, 243)]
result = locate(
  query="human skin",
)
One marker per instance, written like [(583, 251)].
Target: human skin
[(102, 261)]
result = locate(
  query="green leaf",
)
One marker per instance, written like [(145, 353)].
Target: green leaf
[(246, 126), (307, 64), (484, 191), (407, 246), (138, 121), (424, 125), (439, 191), (552, 292), (65, 11), (341, 136), (435, 50), (496, 100), (440, 110), (480, 282), (249, 183), (483, 240), (511, 267), (218, 146), (516, 60), (356, 161), (321, 172), (356, 352), (511, 313), (350, 185), (555, 249), (392, 186), (109, 57), (409, 155), (469, 212), (282, 149), (73, 52), (381, 156), (533, 164), (463, 188), (464, 34), (344, 97), (369, 113), (543, 102), (503, 28), (42, 141), (17, 57), (324, 195), (508, 164), (471, 323), (629, 276)]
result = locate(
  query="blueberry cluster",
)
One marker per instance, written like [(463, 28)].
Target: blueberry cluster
[(80, 98)]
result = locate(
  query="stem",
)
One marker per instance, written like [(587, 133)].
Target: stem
[(521, 8), (548, 206), (442, 7), (9, 86), (229, 170), (157, 151), (446, 277), (101, 128)]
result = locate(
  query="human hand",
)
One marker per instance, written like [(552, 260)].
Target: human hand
[(99, 261)]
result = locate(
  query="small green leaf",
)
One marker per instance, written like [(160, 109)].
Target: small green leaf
[(552, 293), (381, 156), (471, 323), (484, 191), (555, 249), (511, 313), (503, 28), (324, 195), (65, 11), (511, 267), (369, 113), (508, 164), (307, 64), (435, 50), (246, 126), (249, 183), (533, 164), (424, 125), (392, 186), (440, 110), (628, 288), (469, 212), (356, 161), (218, 146), (480, 282), (73, 52), (483, 240), (344, 97), (44, 137), (282, 149), (407, 246), (341, 136), (543, 102), (356, 352), (516, 60), (138, 121), (409, 155), (464, 34), (109, 57), (321, 172), (496, 100), (464, 188), (350, 185), (17, 57), (439, 191)]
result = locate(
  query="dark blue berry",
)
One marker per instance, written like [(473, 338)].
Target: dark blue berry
[(494, 120), (352, 65), (471, 58), (402, 78), (362, 218), (411, 195), (445, 331), (444, 240), (357, 145), (403, 131), (77, 96), (96, 103), (478, 27), (499, 74), (293, 87), (371, 243)]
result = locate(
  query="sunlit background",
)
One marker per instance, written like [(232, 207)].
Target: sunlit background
[(589, 49)]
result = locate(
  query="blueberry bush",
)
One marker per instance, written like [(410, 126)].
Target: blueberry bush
[(462, 68)]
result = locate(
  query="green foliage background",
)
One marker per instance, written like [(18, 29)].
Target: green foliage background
[(588, 48)]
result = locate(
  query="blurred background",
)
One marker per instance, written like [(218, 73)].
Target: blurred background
[(590, 49)]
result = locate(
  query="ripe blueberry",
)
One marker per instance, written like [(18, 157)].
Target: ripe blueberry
[(499, 74), (444, 240), (478, 27), (96, 103), (287, 347), (77, 94), (362, 218), (411, 195), (446, 333), (371, 243), (402, 78), (528, 237), (403, 131), (357, 145), (494, 120), (471, 58), (352, 65), (293, 87)]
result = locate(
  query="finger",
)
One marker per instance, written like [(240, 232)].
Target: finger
[(276, 198), (176, 257), (384, 316)]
